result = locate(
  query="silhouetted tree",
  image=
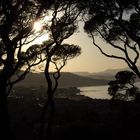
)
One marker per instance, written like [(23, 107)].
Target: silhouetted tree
[(59, 59), (16, 32), (63, 25), (123, 87), (117, 23)]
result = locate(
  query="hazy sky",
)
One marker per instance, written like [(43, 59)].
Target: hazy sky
[(91, 59)]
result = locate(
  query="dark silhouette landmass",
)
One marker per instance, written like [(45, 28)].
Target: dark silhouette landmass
[(76, 117), (66, 80)]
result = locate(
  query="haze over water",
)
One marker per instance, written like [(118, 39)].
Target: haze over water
[(98, 92)]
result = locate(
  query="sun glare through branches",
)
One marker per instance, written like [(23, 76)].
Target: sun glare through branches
[(37, 26)]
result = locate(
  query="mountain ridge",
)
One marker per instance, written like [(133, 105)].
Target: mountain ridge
[(67, 79), (72, 79), (108, 74)]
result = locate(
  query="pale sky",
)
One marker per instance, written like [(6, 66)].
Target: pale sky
[(91, 59)]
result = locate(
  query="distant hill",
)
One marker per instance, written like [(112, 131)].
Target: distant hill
[(76, 79), (112, 72), (96, 75), (66, 80), (33, 80), (106, 75), (71, 79)]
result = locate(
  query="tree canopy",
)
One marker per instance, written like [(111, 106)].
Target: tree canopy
[(18, 55), (123, 87), (117, 23), (17, 18), (16, 32)]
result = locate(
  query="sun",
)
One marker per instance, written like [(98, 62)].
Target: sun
[(37, 26), (40, 28)]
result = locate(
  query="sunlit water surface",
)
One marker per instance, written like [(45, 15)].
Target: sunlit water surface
[(98, 92)]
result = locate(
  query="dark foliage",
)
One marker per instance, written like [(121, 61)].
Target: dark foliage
[(16, 32), (120, 84), (117, 23)]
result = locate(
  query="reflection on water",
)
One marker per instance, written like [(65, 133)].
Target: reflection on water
[(98, 92), (95, 92)]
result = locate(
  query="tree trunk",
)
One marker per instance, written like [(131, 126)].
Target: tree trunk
[(49, 119), (5, 132), (136, 70), (49, 103), (51, 114)]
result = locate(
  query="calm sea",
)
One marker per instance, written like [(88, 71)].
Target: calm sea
[(98, 92)]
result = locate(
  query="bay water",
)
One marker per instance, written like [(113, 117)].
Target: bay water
[(98, 92)]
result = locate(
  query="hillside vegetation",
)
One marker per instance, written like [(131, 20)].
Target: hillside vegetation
[(66, 80)]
